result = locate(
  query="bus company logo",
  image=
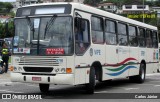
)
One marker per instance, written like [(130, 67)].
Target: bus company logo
[(142, 53), (118, 69), (91, 52), (6, 96)]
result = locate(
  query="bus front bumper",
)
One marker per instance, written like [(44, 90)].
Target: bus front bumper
[(57, 79)]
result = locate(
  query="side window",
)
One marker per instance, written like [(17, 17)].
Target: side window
[(132, 36), (122, 34), (155, 39), (97, 30), (82, 37), (149, 38), (141, 37), (110, 32)]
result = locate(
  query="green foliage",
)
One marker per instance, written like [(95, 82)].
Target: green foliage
[(5, 7), (68, 0), (12, 14), (6, 30), (92, 2), (153, 3), (8, 6), (10, 32), (2, 30)]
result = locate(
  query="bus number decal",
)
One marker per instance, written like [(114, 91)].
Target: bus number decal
[(142, 53), (95, 52)]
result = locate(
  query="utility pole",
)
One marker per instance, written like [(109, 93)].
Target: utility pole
[(143, 11)]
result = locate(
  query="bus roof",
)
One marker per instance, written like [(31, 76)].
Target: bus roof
[(96, 11)]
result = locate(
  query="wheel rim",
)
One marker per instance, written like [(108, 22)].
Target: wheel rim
[(94, 80), (142, 74), (1, 69)]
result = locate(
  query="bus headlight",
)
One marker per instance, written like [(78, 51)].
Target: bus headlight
[(15, 68), (63, 70), (57, 70), (19, 68)]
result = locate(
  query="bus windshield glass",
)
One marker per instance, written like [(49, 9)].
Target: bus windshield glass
[(43, 36)]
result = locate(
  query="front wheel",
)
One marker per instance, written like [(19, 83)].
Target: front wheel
[(91, 85), (1, 70), (142, 75), (44, 88)]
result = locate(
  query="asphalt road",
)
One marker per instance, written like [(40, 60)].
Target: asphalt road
[(118, 90)]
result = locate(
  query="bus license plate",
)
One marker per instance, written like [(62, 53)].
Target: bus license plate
[(36, 78)]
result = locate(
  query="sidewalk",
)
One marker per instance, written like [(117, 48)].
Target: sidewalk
[(5, 75)]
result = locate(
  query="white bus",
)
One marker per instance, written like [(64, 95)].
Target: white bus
[(72, 43)]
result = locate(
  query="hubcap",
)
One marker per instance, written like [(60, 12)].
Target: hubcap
[(95, 80), (1, 69), (142, 75)]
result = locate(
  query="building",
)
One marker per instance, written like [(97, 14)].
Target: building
[(46, 1), (20, 3), (110, 7), (80, 1), (151, 0), (3, 18), (156, 9), (134, 9)]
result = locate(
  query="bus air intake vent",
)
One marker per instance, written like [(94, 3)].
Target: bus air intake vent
[(38, 69)]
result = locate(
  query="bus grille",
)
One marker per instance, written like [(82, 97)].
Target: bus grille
[(39, 61)]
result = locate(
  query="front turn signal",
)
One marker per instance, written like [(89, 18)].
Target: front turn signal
[(11, 68), (68, 70)]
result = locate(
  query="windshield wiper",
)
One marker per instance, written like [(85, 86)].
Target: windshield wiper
[(49, 24), (31, 25)]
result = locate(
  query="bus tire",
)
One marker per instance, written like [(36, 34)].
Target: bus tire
[(107, 81), (142, 74), (91, 85), (44, 88), (1, 70)]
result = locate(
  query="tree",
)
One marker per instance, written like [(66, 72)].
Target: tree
[(68, 0), (92, 2), (2, 30), (8, 6), (5, 9), (10, 29)]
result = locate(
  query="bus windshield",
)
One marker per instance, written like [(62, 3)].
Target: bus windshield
[(43, 36)]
